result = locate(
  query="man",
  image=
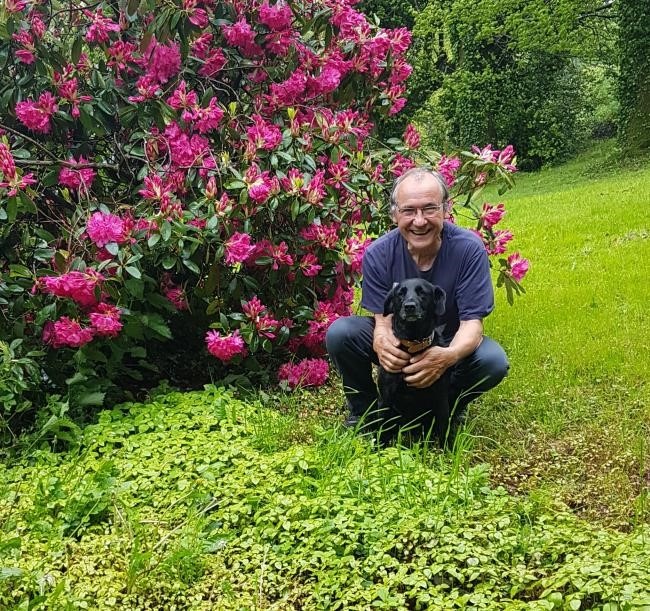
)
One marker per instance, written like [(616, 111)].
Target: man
[(423, 245)]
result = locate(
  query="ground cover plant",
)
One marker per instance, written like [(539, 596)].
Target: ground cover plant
[(199, 500)]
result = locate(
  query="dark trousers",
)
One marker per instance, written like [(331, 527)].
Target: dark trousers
[(349, 344)]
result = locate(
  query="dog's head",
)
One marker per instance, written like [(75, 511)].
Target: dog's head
[(416, 306)]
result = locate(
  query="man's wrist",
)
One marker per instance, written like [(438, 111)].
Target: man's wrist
[(453, 355)]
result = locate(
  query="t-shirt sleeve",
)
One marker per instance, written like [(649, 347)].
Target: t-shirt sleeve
[(376, 282), (474, 291)]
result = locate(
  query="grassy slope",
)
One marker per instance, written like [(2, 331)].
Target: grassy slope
[(574, 414)]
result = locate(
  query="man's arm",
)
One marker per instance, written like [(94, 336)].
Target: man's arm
[(425, 368), (386, 345)]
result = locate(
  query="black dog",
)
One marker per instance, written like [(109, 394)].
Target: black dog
[(417, 307)]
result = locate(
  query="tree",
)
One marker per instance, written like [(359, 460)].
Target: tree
[(504, 71), (634, 86)]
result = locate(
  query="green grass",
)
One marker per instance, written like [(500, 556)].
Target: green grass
[(576, 406)]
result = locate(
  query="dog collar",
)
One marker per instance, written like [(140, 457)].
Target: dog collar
[(417, 345)]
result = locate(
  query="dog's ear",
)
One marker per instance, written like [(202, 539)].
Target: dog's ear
[(439, 299), (389, 302)]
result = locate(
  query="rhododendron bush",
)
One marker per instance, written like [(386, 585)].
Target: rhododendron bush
[(204, 174)]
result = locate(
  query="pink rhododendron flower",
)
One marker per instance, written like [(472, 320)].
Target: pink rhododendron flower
[(253, 308), (103, 228), (277, 17), (242, 36), (412, 137), (518, 266), (400, 164), (201, 45), (100, 27), (206, 119), (354, 249), (448, 166), (186, 151), (182, 99), (105, 320), (506, 156), (174, 293), (486, 153), (290, 90), (496, 243), (121, 55), (263, 134), (38, 25), (15, 6), (225, 347), (238, 248), (276, 43), (492, 214), (147, 88), (327, 81), (198, 16), (401, 71), (309, 265), (68, 91), (260, 185), (12, 180), (26, 55), (326, 236), (315, 191), (214, 62), (308, 372), (75, 179), (338, 172), (36, 115), (81, 287), (66, 332), (162, 61)]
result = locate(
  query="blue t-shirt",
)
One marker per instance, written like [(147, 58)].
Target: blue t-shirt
[(461, 268)]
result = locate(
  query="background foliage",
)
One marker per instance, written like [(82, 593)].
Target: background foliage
[(540, 75), (634, 87)]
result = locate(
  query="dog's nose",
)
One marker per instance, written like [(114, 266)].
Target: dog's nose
[(409, 307)]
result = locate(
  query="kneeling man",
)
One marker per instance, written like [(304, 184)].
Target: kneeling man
[(423, 245)]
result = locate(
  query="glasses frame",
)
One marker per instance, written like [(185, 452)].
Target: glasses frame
[(432, 210)]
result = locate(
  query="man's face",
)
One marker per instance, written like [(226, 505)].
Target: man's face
[(419, 225)]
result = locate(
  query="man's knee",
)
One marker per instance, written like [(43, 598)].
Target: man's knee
[(494, 364), (338, 334)]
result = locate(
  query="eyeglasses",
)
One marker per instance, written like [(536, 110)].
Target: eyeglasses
[(427, 212)]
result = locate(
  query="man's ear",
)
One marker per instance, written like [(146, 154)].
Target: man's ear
[(439, 299), (388, 303)]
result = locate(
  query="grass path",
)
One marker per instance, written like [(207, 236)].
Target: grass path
[(573, 418)]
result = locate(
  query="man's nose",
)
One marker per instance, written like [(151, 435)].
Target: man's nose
[(419, 219)]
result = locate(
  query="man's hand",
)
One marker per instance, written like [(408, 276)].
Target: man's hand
[(425, 368), (386, 346)]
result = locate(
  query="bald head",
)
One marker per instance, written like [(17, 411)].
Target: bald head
[(418, 174)]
